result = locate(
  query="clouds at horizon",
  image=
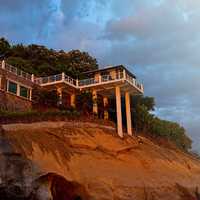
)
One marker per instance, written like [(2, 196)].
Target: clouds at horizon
[(158, 40)]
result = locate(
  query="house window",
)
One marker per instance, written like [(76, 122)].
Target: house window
[(12, 87), (24, 92)]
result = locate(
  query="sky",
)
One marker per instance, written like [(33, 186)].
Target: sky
[(158, 40)]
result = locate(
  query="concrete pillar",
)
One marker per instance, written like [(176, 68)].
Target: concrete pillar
[(18, 90), (30, 94), (59, 93), (95, 106), (105, 104), (0, 82), (128, 113), (119, 111), (73, 100), (32, 78)]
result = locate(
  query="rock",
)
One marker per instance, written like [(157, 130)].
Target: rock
[(63, 161)]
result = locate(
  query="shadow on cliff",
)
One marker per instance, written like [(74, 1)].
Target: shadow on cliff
[(21, 179), (185, 194), (55, 187)]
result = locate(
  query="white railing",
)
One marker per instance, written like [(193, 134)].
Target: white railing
[(134, 82), (106, 78), (122, 75), (86, 82), (70, 80), (48, 79), (17, 71)]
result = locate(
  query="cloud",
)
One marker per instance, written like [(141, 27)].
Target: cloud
[(161, 44)]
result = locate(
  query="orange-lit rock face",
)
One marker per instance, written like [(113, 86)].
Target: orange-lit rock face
[(70, 160)]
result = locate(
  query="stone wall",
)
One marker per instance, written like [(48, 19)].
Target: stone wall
[(12, 102)]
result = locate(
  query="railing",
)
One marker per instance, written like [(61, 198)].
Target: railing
[(102, 79), (70, 80), (134, 82), (17, 72), (87, 82), (48, 79), (106, 78), (54, 79), (122, 75)]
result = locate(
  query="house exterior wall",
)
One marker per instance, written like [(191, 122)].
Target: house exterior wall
[(8, 75), (10, 102)]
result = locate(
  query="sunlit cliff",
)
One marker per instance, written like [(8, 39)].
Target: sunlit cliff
[(74, 160)]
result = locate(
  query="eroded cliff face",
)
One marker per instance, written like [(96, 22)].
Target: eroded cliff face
[(71, 160)]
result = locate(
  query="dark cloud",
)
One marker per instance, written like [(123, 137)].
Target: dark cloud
[(25, 21)]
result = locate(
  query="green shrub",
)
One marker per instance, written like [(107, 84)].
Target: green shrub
[(29, 116), (149, 124)]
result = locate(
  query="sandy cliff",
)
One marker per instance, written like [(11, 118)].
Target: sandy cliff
[(68, 160)]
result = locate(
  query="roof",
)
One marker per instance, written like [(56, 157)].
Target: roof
[(109, 68)]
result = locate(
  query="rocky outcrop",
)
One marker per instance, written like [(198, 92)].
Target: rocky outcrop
[(74, 160)]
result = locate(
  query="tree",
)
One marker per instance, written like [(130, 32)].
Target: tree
[(42, 61), (44, 99), (4, 46), (84, 102)]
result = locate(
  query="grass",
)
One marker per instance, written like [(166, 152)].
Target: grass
[(32, 116)]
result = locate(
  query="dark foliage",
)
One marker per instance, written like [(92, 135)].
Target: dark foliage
[(42, 61), (146, 122), (43, 98)]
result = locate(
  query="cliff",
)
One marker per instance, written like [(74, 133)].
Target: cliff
[(74, 160)]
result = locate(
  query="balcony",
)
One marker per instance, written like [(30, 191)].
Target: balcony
[(106, 79), (16, 71), (54, 79), (90, 82)]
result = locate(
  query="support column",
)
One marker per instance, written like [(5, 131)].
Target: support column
[(0, 82), (30, 95), (18, 89), (105, 104), (119, 111), (72, 100), (59, 93), (128, 113), (95, 106), (33, 78)]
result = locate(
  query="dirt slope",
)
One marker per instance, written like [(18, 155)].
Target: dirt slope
[(101, 165)]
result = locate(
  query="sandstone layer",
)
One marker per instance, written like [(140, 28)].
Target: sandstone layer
[(74, 160)]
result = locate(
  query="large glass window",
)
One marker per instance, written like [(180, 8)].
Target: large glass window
[(24, 92), (12, 87)]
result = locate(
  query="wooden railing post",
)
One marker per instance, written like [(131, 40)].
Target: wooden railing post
[(3, 64), (63, 76), (124, 73)]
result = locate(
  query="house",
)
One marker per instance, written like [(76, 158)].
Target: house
[(111, 81), (15, 88)]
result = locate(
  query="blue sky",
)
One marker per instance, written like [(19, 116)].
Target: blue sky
[(158, 40)]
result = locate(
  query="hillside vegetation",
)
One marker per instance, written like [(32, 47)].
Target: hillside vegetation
[(43, 61)]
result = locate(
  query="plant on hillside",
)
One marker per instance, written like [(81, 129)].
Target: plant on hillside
[(84, 102), (42, 61), (146, 122), (43, 98)]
